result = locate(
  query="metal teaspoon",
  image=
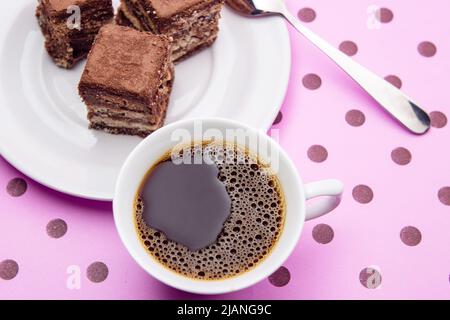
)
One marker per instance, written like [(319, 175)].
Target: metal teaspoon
[(400, 106)]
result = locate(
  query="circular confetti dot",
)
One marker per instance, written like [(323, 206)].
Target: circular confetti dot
[(317, 153), (278, 119), (427, 49), (56, 228), (312, 81), (349, 48), (362, 194), (16, 187), (410, 236), (97, 272), (8, 269), (355, 118), (385, 15), (438, 119), (307, 15), (323, 233), (370, 278), (401, 156), (444, 195), (280, 278), (394, 80)]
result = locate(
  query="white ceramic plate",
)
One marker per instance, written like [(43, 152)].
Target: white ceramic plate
[(43, 127)]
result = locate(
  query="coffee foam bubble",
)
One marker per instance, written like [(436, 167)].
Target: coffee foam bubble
[(249, 234)]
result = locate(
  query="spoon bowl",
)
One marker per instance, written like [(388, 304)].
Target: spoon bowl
[(249, 8)]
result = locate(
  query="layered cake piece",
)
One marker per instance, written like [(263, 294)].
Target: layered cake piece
[(191, 24), (127, 81), (70, 27)]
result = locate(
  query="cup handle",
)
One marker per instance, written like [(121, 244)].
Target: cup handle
[(331, 190)]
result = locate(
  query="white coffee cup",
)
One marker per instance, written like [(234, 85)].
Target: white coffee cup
[(296, 193)]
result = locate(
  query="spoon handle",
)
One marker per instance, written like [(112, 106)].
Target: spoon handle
[(400, 106)]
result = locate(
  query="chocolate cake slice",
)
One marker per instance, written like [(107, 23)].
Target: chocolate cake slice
[(70, 27), (191, 24), (127, 81)]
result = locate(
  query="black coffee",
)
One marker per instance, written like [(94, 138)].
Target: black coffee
[(212, 211)]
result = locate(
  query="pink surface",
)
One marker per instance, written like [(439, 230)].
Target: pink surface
[(365, 235)]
